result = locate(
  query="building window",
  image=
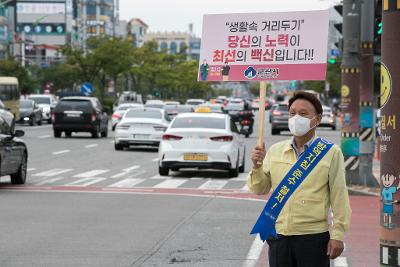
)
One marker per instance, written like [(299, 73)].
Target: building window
[(183, 47), (91, 9), (173, 48), (164, 46)]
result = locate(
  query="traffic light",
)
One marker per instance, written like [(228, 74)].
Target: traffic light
[(378, 27), (332, 60), (157, 93), (339, 28)]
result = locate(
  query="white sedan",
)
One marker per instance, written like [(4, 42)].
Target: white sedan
[(141, 126), (120, 111), (203, 141)]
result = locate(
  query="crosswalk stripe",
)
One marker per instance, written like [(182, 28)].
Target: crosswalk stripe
[(245, 188), (155, 159), (340, 262), (48, 181), (85, 182), (61, 152), (130, 175), (91, 173), (31, 169), (91, 146), (119, 175), (213, 184), (131, 168), (127, 183), (171, 183), (157, 176), (52, 172), (241, 177)]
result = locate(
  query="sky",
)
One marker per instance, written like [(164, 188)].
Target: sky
[(175, 15)]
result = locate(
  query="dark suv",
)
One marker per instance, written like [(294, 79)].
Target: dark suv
[(279, 118), (79, 114)]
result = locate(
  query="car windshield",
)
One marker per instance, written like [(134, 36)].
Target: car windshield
[(40, 100), (194, 102), (234, 107), (199, 122), (144, 114), (26, 104), (125, 108), (282, 108), (78, 105), (155, 106)]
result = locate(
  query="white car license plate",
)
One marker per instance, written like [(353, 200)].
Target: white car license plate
[(141, 136), (72, 115)]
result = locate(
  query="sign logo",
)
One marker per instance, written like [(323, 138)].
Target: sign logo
[(345, 91), (250, 73), (386, 85)]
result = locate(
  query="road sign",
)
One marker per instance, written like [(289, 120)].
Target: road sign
[(87, 89)]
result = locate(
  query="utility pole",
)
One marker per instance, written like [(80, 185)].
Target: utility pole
[(390, 135), (367, 93), (350, 90)]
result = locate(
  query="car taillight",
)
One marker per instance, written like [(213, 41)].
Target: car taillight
[(171, 137), (224, 138), (93, 117), (160, 128), (276, 113), (53, 117), (241, 113), (123, 126), (245, 122), (116, 116)]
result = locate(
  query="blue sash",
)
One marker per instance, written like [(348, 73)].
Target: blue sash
[(265, 224)]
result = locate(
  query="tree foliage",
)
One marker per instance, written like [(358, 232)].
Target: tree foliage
[(10, 67)]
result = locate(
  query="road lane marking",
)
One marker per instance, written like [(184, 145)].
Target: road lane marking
[(340, 262), (157, 176), (154, 160), (245, 188), (61, 152), (241, 177), (127, 183), (131, 168), (44, 136), (92, 145), (254, 253), (31, 169), (86, 182), (48, 181), (137, 174), (171, 183), (91, 173), (213, 184), (126, 171), (52, 172)]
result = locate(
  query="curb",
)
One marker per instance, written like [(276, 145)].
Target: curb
[(363, 192)]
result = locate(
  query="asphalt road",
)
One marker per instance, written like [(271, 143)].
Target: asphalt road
[(86, 204)]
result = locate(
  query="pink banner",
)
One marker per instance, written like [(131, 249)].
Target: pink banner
[(264, 46)]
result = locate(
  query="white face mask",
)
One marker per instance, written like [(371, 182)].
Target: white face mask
[(299, 125)]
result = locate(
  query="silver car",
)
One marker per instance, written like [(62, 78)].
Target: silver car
[(141, 126)]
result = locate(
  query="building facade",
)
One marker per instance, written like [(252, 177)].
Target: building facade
[(92, 18), (137, 31), (177, 42)]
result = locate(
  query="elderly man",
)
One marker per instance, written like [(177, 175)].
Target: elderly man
[(303, 238)]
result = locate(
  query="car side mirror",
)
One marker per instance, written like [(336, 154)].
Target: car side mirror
[(19, 133)]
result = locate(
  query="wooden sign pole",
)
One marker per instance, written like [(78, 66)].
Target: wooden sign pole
[(261, 122)]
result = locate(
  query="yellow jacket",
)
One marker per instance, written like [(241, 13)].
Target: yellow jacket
[(306, 211)]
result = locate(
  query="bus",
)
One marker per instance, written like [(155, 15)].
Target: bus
[(10, 95)]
